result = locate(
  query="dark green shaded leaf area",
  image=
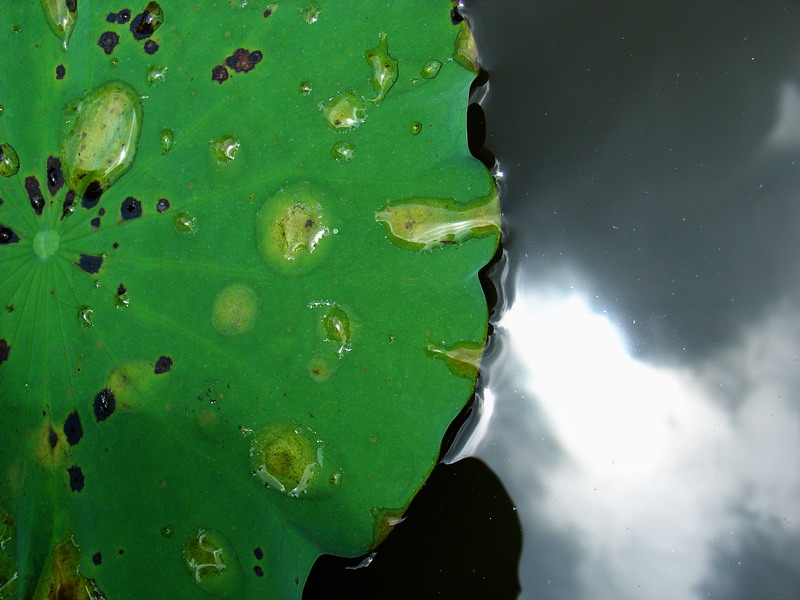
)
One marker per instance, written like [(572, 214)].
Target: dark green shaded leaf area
[(239, 296)]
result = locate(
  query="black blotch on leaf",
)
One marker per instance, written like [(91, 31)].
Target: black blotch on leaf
[(258, 553), (267, 12), (69, 204), (108, 41), (34, 194), (162, 205), (455, 16), (121, 290), (89, 263), (97, 558), (124, 16), (73, 429), (101, 212), (104, 404), (258, 571), (76, 479), (7, 236), (111, 17), (150, 47), (52, 438), (163, 364), (55, 176), (60, 72), (95, 223), (242, 60), (4, 350), (219, 74), (92, 194), (131, 209)]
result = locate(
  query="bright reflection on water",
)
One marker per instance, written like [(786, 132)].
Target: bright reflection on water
[(645, 476)]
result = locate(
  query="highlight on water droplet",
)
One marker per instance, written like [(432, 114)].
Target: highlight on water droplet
[(61, 16), (9, 161), (431, 69), (310, 13), (234, 310), (102, 143), (167, 139), (344, 111), (384, 68), (156, 75), (291, 227), (291, 459), (422, 223), (305, 88), (416, 127), (343, 151), (224, 148), (185, 223), (212, 564), (462, 358)]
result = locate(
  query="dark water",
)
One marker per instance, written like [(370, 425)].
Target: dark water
[(641, 411)]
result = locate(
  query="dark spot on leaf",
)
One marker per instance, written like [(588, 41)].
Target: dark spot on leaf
[(104, 404), (34, 194), (95, 223), (115, 245), (76, 482), (52, 438), (150, 47), (101, 212), (124, 16), (55, 177), (163, 364), (121, 290), (131, 208), (108, 41), (111, 17), (69, 204), (92, 194), (89, 263), (242, 60), (10, 308), (267, 13), (72, 428), (219, 73), (7, 236), (258, 553), (258, 571), (121, 552), (97, 558), (455, 16), (60, 72), (4, 350), (147, 22), (162, 205)]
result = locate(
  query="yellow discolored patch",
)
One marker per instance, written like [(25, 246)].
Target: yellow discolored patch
[(62, 579), (234, 310), (212, 564)]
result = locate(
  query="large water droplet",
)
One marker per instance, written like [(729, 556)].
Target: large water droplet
[(234, 310), (213, 564), (384, 68), (9, 161), (422, 223), (102, 144), (344, 111), (431, 69), (61, 16), (291, 459)]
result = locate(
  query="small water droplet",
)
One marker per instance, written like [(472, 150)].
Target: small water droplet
[(167, 531), (343, 151), (167, 139), (102, 143), (310, 14), (114, 62), (185, 223), (85, 315), (224, 148), (61, 16), (336, 478), (9, 161), (384, 68), (416, 127), (335, 325), (344, 111), (156, 75), (422, 223), (213, 564), (431, 69), (305, 88), (234, 310)]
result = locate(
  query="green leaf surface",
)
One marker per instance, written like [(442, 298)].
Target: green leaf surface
[(239, 303)]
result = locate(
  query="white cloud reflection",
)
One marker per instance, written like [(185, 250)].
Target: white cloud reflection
[(661, 465)]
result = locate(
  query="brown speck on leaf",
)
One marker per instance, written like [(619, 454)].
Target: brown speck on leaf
[(242, 60), (219, 74)]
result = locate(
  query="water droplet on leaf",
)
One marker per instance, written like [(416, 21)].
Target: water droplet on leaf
[(156, 75), (185, 223), (9, 161), (310, 13), (431, 69), (61, 16), (167, 139), (212, 564), (234, 310), (343, 151), (344, 111), (416, 127), (224, 148), (384, 68)]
